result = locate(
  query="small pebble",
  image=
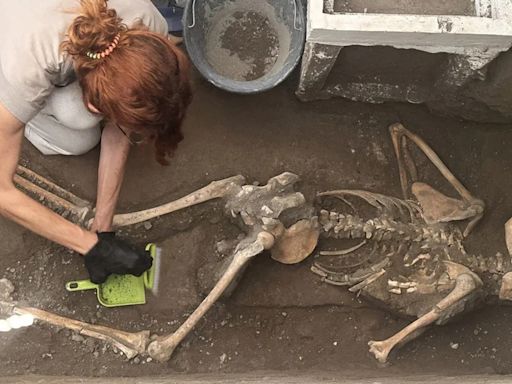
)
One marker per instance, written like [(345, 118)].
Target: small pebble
[(454, 345), (335, 343), (148, 225), (136, 360), (284, 314), (223, 358), (77, 338), (149, 360)]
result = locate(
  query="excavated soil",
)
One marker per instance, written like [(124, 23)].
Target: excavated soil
[(245, 40), (280, 318)]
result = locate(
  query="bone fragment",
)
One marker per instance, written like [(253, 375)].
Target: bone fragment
[(465, 284), (342, 252), (423, 256), (162, 348), (396, 291), (399, 284), (499, 262), (363, 284), (506, 287)]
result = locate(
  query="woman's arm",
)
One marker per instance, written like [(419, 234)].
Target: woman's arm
[(20, 208), (104, 254), (115, 147)]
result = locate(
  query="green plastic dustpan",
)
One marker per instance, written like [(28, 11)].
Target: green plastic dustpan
[(121, 290)]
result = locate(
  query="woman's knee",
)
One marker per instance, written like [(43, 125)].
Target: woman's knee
[(66, 105), (52, 138)]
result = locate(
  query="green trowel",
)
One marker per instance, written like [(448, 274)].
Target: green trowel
[(121, 290)]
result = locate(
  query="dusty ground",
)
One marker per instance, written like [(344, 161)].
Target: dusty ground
[(437, 7), (282, 317)]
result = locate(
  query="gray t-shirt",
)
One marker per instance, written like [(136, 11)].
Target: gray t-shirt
[(31, 63)]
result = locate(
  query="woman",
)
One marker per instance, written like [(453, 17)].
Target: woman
[(66, 67)]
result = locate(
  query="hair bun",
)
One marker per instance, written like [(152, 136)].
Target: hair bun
[(94, 29)]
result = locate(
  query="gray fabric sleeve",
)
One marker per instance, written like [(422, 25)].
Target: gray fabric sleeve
[(24, 99)]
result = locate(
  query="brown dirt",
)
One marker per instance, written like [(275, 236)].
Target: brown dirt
[(281, 317), (246, 48)]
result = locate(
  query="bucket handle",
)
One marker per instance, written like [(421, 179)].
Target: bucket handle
[(295, 12), (193, 14)]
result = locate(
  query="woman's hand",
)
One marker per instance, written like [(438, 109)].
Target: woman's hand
[(111, 255)]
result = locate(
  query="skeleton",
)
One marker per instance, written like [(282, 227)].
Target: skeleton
[(416, 264), (261, 211), (409, 255)]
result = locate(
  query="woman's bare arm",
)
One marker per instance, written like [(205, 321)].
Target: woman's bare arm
[(25, 211), (115, 147)]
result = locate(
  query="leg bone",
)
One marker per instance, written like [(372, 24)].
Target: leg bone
[(162, 348), (398, 134), (215, 189), (465, 284), (56, 197), (51, 186), (63, 200), (131, 344)]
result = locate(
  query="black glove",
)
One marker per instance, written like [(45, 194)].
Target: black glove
[(111, 255)]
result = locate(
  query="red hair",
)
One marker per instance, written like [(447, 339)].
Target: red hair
[(143, 85)]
